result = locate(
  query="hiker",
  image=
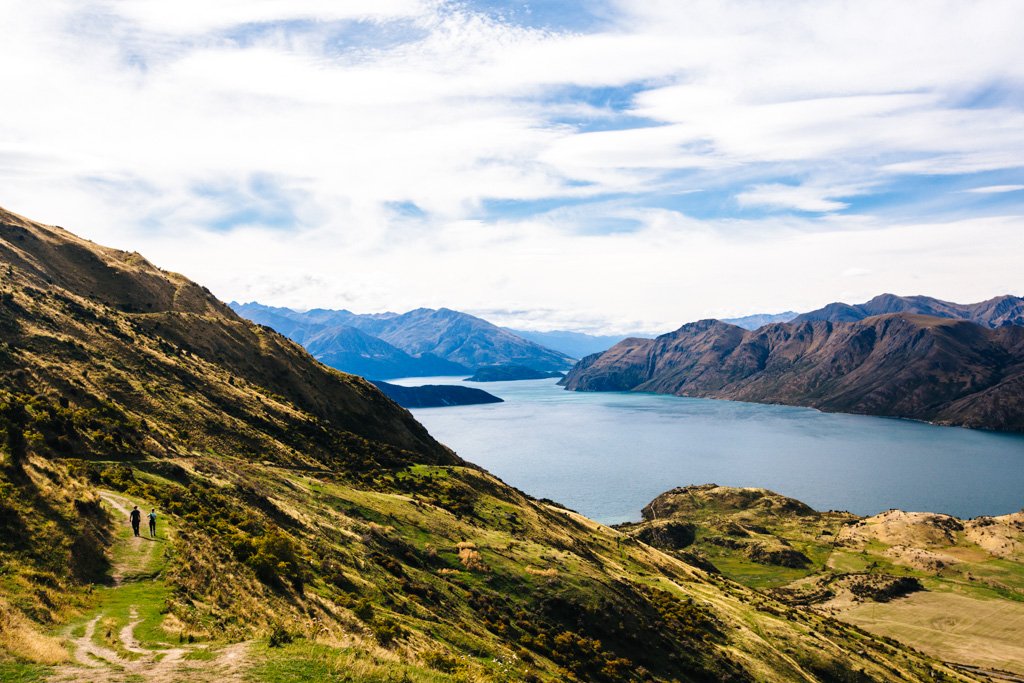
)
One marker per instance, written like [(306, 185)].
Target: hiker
[(136, 519), (152, 523)]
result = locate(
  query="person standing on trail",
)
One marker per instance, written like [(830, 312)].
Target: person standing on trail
[(136, 519), (152, 523)]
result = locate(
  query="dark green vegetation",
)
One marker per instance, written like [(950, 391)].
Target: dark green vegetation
[(902, 365), (435, 395), (505, 373), (964, 579), (419, 343), (311, 527)]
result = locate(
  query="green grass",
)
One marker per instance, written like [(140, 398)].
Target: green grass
[(148, 598), (304, 661), (19, 672), (204, 654), (139, 564)]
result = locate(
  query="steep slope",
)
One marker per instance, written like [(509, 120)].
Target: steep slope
[(941, 370), (464, 340), (314, 515), (95, 322), (351, 350), (995, 312)]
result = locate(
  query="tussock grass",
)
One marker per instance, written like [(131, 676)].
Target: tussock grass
[(22, 639)]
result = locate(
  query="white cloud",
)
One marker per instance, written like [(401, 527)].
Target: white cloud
[(200, 16), (671, 271), (996, 189), (290, 152), (792, 197)]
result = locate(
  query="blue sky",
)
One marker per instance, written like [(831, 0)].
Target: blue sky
[(599, 166)]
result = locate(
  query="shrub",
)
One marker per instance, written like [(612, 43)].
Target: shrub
[(387, 631), (276, 559), (441, 661), (279, 636)]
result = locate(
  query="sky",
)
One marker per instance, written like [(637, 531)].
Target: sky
[(609, 166)]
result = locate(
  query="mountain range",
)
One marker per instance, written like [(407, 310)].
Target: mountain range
[(419, 343), (995, 312), (923, 367), (752, 322), (310, 528), (572, 344)]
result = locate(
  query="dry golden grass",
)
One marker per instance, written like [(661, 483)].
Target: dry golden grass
[(21, 639), (550, 571), (951, 626)]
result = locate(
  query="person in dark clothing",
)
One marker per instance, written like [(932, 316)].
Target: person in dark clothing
[(136, 519), (152, 523)]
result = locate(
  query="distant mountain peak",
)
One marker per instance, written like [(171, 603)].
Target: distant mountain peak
[(426, 341), (906, 364), (996, 312)]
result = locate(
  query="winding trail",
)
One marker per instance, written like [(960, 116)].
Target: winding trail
[(138, 562)]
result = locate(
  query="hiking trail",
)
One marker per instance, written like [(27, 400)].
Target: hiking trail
[(122, 642)]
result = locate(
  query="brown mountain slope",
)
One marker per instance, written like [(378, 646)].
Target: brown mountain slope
[(941, 370), (106, 327)]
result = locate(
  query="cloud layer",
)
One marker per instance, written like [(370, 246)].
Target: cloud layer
[(662, 162)]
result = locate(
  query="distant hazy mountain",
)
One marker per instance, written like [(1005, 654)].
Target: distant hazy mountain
[(574, 344), (435, 395), (461, 339), (996, 312), (752, 322), (352, 350), (901, 365), (464, 339)]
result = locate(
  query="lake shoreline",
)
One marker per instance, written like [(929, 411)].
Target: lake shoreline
[(607, 454)]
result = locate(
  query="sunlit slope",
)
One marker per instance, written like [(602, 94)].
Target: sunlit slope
[(952, 588)]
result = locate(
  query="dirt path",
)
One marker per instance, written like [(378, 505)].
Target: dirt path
[(98, 664), (138, 563), (135, 557)]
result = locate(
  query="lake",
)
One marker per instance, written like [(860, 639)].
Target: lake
[(608, 454)]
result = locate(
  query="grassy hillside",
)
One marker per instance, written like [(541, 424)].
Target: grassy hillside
[(310, 528), (952, 588)]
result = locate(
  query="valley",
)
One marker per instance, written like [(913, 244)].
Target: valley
[(317, 529), (310, 527)]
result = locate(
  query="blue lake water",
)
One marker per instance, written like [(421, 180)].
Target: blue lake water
[(608, 454)]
